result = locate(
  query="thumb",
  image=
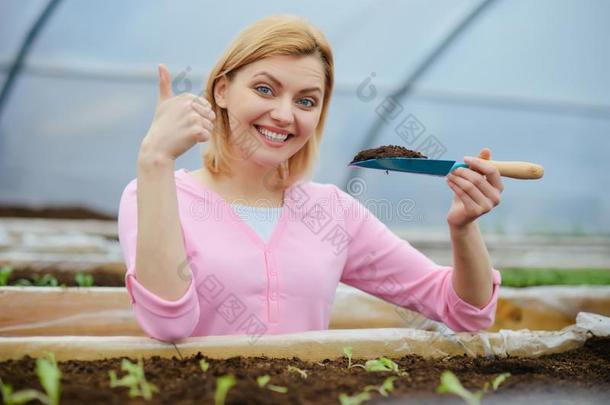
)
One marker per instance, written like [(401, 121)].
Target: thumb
[(485, 154), (165, 85)]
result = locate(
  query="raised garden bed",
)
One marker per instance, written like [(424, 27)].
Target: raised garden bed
[(313, 367), (106, 311)]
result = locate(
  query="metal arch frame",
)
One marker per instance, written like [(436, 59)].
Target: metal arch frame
[(25, 47), (428, 61)]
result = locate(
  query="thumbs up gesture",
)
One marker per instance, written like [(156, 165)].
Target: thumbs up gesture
[(179, 122)]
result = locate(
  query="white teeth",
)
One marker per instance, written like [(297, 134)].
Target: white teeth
[(272, 135)]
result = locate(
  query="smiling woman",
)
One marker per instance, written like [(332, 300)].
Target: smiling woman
[(276, 78), (198, 264)]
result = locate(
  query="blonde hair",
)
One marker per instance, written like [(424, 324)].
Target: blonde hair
[(277, 35)]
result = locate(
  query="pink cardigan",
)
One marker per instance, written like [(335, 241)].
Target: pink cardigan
[(244, 286)]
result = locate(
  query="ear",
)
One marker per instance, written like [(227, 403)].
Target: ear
[(220, 92)]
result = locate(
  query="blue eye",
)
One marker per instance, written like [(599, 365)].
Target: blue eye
[(258, 87), (312, 103), (266, 87)]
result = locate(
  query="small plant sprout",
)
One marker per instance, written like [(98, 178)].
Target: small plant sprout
[(348, 353), (5, 274), (355, 399), (451, 384), (495, 384), (39, 281), (20, 397), (83, 280), (384, 388), (264, 379), (303, 373), (204, 365), (383, 364), (49, 376), (135, 380), (223, 385)]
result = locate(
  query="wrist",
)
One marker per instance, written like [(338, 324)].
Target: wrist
[(149, 157), (458, 230)]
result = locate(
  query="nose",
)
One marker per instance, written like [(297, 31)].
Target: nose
[(282, 112)]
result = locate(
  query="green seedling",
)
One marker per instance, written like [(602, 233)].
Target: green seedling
[(303, 373), (223, 385), (451, 384), (384, 388), (83, 280), (49, 376), (135, 380), (354, 400), (383, 364), (348, 353), (495, 384), (263, 381), (204, 365), (5, 274), (20, 397), (45, 281)]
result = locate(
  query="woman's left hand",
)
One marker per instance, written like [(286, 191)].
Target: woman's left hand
[(476, 190)]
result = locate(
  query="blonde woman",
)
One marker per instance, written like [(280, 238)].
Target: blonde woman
[(249, 244)]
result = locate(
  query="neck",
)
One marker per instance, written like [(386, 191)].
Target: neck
[(248, 184)]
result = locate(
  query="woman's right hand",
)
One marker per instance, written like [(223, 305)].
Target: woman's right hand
[(179, 122)]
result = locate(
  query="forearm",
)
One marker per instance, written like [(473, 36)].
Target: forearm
[(472, 276), (160, 251)]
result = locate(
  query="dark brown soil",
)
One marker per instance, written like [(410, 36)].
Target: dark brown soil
[(585, 371), (52, 212), (101, 277), (385, 152)]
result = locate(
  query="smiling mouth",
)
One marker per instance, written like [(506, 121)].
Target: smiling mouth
[(279, 141)]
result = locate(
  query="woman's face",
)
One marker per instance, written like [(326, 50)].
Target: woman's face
[(283, 94)]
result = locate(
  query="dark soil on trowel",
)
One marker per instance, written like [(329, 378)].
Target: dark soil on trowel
[(387, 151), (583, 373)]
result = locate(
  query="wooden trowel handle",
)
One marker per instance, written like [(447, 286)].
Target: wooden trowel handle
[(518, 170)]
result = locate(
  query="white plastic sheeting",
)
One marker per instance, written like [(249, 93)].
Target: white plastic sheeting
[(529, 80)]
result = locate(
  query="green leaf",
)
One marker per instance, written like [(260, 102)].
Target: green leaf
[(83, 280), (204, 365), (381, 364), (354, 400), (499, 380), (5, 275), (262, 380), (303, 373), (223, 385), (348, 353), (384, 388), (49, 376), (451, 384), (277, 388), (135, 380)]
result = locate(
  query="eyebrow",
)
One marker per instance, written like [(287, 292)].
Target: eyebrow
[(277, 82)]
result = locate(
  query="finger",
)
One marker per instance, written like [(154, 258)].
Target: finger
[(480, 182), (491, 173), (485, 154), (203, 111), (165, 85), (469, 204), (469, 187)]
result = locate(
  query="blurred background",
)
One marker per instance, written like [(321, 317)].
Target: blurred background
[(529, 80)]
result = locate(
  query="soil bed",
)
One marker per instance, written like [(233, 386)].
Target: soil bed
[(101, 277), (387, 151), (585, 370)]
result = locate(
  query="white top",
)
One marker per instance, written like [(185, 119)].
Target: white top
[(261, 219)]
